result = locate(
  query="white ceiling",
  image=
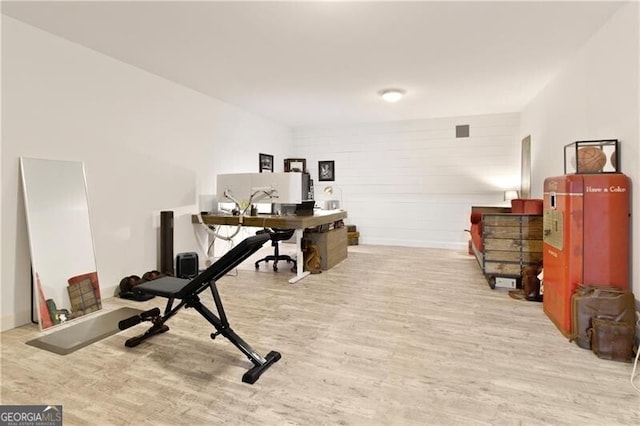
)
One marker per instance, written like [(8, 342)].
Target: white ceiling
[(305, 63)]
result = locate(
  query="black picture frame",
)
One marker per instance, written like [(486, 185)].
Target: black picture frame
[(265, 163), (326, 171), (295, 165)]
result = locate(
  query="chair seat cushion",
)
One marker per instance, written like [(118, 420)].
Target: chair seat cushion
[(281, 234), (168, 287)]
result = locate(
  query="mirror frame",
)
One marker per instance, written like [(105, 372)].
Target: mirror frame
[(63, 265)]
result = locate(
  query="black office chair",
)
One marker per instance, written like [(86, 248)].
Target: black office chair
[(277, 235)]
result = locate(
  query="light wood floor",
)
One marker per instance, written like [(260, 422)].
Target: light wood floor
[(391, 336)]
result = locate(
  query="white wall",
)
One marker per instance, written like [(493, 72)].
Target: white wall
[(594, 97), (148, 145), (412, 183)]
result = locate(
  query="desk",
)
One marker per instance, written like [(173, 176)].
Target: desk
[(299, 223)]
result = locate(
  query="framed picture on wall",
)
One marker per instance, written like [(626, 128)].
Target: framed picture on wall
[(295, 165), (265, 163), (326, 171)]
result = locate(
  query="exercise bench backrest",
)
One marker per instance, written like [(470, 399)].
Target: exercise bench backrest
[(230, 260)]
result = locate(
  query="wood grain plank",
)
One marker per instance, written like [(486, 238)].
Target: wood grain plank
[(392, 335)]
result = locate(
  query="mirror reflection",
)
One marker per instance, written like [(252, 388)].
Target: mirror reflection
[(62, 255)]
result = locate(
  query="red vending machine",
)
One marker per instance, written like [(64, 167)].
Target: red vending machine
[(586, 226), (586, 239)]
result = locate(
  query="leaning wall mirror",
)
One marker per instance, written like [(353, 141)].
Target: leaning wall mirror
[(63, 263)]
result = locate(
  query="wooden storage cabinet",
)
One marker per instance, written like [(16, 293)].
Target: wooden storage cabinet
[(511, 241), (332, 246)]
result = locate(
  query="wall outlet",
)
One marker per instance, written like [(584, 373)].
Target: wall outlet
[(506, 283)]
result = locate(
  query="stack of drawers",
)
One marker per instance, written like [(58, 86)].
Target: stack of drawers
[(511, 241)]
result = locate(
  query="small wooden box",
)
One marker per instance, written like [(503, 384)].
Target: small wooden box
[(332, 246), (353, 238)]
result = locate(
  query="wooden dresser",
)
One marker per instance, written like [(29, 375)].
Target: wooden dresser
[(511, 241), (332, 246)]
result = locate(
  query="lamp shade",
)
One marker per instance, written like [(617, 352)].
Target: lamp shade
[(332, 204), (510, 195)]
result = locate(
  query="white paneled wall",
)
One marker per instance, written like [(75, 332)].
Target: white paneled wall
[(413, 183), (148, 145), (591, 99)]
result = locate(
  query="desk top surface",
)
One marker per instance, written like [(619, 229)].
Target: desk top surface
[(319, 217)]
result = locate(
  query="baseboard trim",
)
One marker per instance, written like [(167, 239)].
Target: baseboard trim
[(7, 322), (18, 319), (412, 243), (637, 325)]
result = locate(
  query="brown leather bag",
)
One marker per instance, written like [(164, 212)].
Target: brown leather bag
[(612, 340), (596, 302), (531, 283)]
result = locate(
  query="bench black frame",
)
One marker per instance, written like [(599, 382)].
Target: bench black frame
[(187, 291)]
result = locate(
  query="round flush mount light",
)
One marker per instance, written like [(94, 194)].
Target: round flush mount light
[(392, 95)]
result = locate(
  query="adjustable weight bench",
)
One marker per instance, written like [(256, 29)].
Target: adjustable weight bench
[(187, 291)]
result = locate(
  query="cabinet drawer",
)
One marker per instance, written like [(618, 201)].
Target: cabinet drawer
[(501, 268), (512, 256), (533, 232), (511, 220), (506, 244)]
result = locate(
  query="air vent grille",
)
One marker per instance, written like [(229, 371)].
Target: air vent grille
[(462, 131)]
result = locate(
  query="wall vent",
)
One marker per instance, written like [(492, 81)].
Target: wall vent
[(462, 131)]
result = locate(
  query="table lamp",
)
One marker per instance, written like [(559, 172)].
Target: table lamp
[(332, 204)]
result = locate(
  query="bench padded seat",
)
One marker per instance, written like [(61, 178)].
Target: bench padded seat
[(168, 287)]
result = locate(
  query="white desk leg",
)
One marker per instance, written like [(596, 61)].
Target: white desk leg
[(299, 259)]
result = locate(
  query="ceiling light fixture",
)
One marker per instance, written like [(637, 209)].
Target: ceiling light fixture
[(392, 95)]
